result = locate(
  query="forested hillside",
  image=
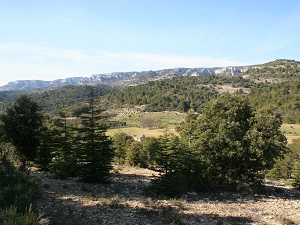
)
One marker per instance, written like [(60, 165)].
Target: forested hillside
[(177, 94), (276, 71), (285, 97), (278, 86), (68, 96), (55, 99)]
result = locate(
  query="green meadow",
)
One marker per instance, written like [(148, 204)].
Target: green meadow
[(164, 122), (163, 119)]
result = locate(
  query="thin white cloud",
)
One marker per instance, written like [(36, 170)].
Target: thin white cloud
[(27, 61), (133, 58), (166, 61), (41, 51)]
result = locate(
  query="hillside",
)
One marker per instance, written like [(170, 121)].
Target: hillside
[(277, 86), (273, 72), (177, 94)]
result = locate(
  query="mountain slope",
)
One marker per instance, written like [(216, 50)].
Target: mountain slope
[(275, 71)]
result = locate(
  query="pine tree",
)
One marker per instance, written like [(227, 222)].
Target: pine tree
[(45, 151), (151, 146), (167, 153), (285, 168), (64, 162), (95, 148), (121, 142), (135, 155), (23, 125), (177, 166)]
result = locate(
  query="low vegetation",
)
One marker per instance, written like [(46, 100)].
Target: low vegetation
[(19, 192)]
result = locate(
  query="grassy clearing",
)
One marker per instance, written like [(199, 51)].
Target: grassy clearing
[(167, 121), (164, 119), (291, 131), (290, 138), (137, 130)]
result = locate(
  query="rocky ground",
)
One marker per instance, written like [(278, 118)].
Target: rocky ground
[(124, 202)]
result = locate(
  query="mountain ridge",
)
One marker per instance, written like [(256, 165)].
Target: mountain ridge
[(123, 79)]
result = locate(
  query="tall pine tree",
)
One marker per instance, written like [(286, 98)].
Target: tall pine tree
[(95, 148)]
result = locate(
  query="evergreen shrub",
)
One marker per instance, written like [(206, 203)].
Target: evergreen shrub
[(65, 167), (12, 216)]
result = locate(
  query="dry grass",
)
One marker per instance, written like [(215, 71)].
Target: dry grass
[(291, 131), (137, 130)]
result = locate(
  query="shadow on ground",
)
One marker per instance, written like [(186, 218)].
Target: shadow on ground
[(123, 201)]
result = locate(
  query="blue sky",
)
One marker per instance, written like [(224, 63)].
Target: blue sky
[(53, 39)]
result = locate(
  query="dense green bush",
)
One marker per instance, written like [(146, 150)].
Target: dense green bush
[(282, 168), (179, 182), (8, 153), (180, 169)]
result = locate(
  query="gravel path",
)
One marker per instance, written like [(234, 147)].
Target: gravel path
[(123, 202)]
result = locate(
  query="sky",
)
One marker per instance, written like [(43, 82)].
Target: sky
[(56, 39)]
